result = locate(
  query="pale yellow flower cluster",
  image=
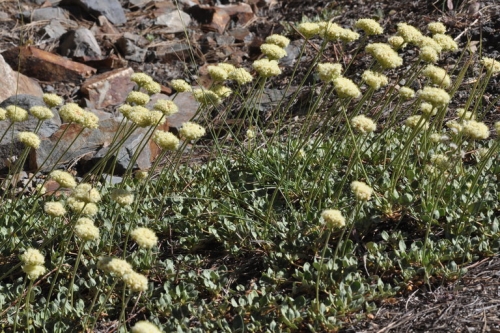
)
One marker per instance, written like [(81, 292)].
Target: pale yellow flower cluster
[(180, 85), (152, 87), (63, 178), (345, 88), (278, 40), (165, 140), (217, 73), (137, 114), (329, 72), (3, 114), (123, 270), (425, 41), (465, 115), (374, 80), (241, 76), (491, 65), (385, 55), (16, 114), (363, 124), (72, 113), (475, 130), (406, 92), (33, 262), (54, 209), (144, 326), (428, 54), (52, 100), (396, 42), (369, 26), (437, 75), (122, 197), (137, 98), (428, 109), (227, 67), (30, 139), (206, 97), (436, 28), (361, 190), (440, 161), (497, 128), (191, 131), (272, 51), (266, 68), (144, 237), (141, 79), (417, 120), (409, 33), (80, 207), (86, 193), (221, 91), (308, 29), (446, 42), (166, 106), (86, 230), (435, 96), (332, 31), (41, 112), (333, 218)]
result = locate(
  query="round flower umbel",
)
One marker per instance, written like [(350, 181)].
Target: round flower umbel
[(374, 80), (333, 218), (16, 114), (180, 85), (475, 130), (141, 79), (152, 87), (428, 54), (156, 118), (435, 96), (278, 40), (436, 28), (144, 326), (217, 73), (406, 93), (77, 206), (34, 271), (191, 131), (428, 109), (86, 193), (206, 97), (409, 33), (227, 67), (122, 197), (41, 112), (86, 230), (329, 72), (54, 209), (114, 266), (136, 281), (241, 76), (446, 42), (396, 42), (71, 113), (30, 139), (492, 66), (144, 237), (139, 115), (272, 51), (330, 31), (32, 257), (165, 140), (221, 91), (361, 190), (417, 120), (349, 35), (428, 41), (369, 26), (437, 75), (52, 100), (63, 178), (440, 161), (3, 114), (466, 115), (363, 124), (137, 98), (345, 88), (385, 55), (308, 29), (266, 67)]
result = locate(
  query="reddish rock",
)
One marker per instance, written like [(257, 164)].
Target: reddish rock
[(12, 83), (187, 108), (110, 88)]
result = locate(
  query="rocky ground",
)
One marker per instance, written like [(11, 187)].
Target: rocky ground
[(87, 54)]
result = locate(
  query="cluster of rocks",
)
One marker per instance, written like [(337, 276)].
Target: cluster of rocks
[(87, 50)]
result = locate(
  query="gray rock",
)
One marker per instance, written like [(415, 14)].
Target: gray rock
[(53, 30), (47, 13), (12, 82), (177, 51), (109, 8), (79, 43), (175, 21), (129, 50), (187, 108)]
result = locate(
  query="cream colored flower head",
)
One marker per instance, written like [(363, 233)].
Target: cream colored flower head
[(363, 124), (497, 128), (137, 98), (3, 114), (54, 209), (329, 72), (437, 75), (333, 218), (30, 139), (475, 130), (144, 237), (417, 120), (272, 51), (52, 100), (135, 281), (86, 193), (435, 96), (206, 97), (374, 80), (385, 55), (369, 26), (141, 79), (71, 113), (122, 197), (165, 140), (16, 114), (428, 54), (34, 271), (466, 115), (139, 115), (241, 76), (330, 31), (396, 42), (63, 178), (77, 206), (428, 109), (32, 257), (266, 67), (125, 110), (86, 230), (191, 131), (446, 42), (348, 35), (491, 65), (152, 87), (308, 29), (454, 126), (409, 33), (156, 118), (141, 174), (221, 91), (227, 67), (41, 112), (250, 134), (90, 120), (406, 93), (436, 28), (144, 326), (361, 190), (429, 42), (114, 266), (440, 161), (278, 40), (435, 137), (345, 88), (166, 106), (217, 73), (180, 85)]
